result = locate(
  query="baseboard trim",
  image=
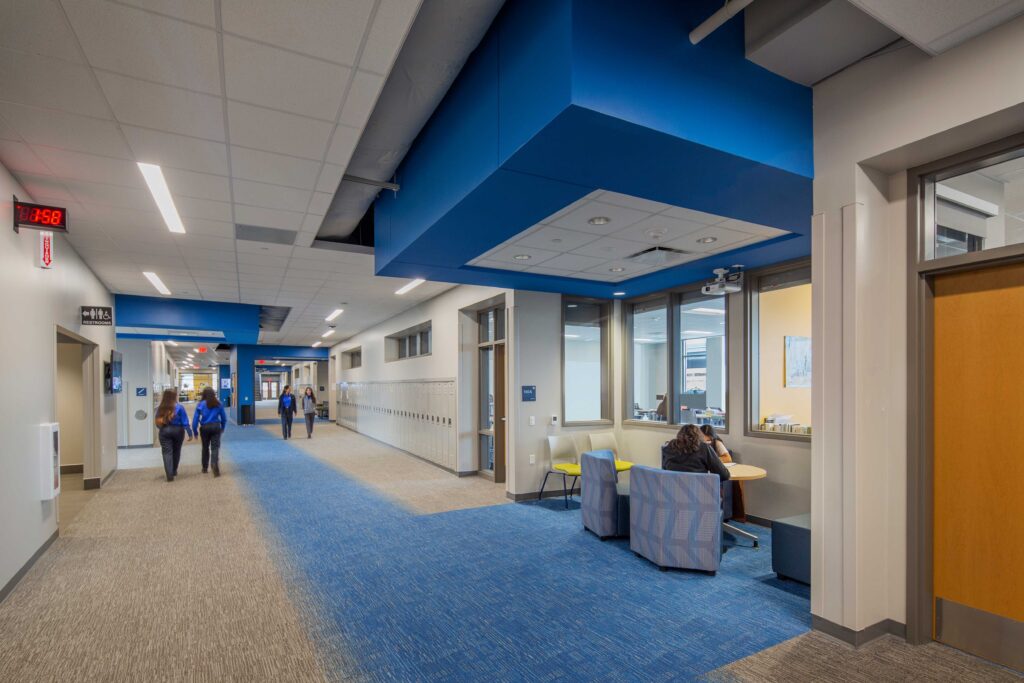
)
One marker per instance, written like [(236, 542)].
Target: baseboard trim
[(858, 638), (6, 590), (402, 450), (93, 483), (548, 493), (760, 521), (72, 469)]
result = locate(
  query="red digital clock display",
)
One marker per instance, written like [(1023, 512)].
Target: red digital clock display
[(39, 216)]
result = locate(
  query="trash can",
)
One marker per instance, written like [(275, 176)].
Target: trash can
[(246, 415)]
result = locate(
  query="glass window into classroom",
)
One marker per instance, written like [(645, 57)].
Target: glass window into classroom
[(585, 361)]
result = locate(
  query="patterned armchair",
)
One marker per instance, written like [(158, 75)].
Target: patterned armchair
[(605, 507), (675, 518)]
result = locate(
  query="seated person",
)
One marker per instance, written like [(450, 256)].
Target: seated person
[(688, 452), (712, 439)]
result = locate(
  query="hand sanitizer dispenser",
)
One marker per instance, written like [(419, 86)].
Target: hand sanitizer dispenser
[(49, 460)]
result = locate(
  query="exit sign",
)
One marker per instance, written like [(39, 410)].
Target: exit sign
[(202, 349)]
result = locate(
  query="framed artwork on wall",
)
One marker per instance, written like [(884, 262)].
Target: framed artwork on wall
[(797, 362)]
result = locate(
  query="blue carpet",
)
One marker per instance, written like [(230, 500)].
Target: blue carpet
[(503, 593)]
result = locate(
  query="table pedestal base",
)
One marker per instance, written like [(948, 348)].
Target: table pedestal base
[(740, 532)]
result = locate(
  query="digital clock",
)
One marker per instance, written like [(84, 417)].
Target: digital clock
[(40, 217)]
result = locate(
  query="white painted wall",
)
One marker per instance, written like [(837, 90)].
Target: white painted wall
[(871, 122), (35, 301), (70, 414), (135, 413)]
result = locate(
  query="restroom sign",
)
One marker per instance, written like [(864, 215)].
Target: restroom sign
[(97, 315), (45, 249)]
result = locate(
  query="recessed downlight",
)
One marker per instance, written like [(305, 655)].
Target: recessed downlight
[(600, 220), (656, 233), (522, 257), (617, 269), (707, 240)]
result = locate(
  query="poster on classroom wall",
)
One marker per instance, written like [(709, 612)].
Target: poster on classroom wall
[(797, 362)]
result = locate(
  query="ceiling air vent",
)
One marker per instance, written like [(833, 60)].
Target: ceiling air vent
[(657, 256), (256, 233)]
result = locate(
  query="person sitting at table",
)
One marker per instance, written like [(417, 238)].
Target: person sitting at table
[(688, 452), (712, 439)]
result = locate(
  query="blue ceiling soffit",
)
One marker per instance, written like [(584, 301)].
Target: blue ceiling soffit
[(239, 323), (563, 97)]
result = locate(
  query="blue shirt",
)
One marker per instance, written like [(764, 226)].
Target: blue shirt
[(205, 415), (180, 418), (286, 401)]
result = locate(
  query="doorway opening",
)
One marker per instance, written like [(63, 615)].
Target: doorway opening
[(492, 368), (77, 387)]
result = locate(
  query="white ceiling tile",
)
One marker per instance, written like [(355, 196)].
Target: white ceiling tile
[(177, 151), (609, 248), (17, 157), (555, 239), (24, 22), (197, 11), (198, 185), (275, 131), (751, 228), (693, 216), (320, 203), (330, 178), (68, 131), (311, 224), (723, 239), (207, 209), (610, 270), (40, 187), (192, 242), (270, 196), (658, 230), (573, 262), (164, 108), (268, 218), (252, 254), (125, 219), (543, 270), (33, 80), (390, 27), (197, 226), (112, 195), (304, 239), (324, 28), (266, 76), (145, 45), (67, 164), (361, 98), (499, 265), (275, 169), (509, 254), (629, 201), (620, 217), (343, 144), (208, 256)]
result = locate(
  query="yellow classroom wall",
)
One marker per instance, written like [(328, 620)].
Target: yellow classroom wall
[(782, 313)]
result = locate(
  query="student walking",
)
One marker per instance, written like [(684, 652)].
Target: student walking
[(287, 406), (209, 422), (309, 410), (172, 420)]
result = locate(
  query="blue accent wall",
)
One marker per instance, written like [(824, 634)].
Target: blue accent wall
[(240, 323), (563, 97)]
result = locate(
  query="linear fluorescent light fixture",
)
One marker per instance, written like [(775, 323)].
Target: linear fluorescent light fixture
[(171, 342), (155, 280), (334, 314), (411, 286), (316, 344), (326, 334), (154, 178)]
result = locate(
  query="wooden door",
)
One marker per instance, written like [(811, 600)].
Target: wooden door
[(978, 459)]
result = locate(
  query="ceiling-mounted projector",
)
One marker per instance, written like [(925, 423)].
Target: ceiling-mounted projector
[(727, 281)]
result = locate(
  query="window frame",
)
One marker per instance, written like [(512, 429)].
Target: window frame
[(405, 344), (607, 410), (674, 297), (751, 382)]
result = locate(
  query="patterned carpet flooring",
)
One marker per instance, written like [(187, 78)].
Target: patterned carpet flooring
[(499, 593)]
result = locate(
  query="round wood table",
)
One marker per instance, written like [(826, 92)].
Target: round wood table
[(741, 472)]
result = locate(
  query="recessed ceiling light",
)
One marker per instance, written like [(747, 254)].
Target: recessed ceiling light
[(600, 220), (326, 334), (195, 350), (707, 240), (154, 178), (334, 314), (655, 233), (522, 257), (618, 294), (617, 269), (412, 285), (155, 280), (556, 240), (316, 344)]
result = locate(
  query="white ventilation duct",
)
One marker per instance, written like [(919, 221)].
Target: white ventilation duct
[(440, 41)]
